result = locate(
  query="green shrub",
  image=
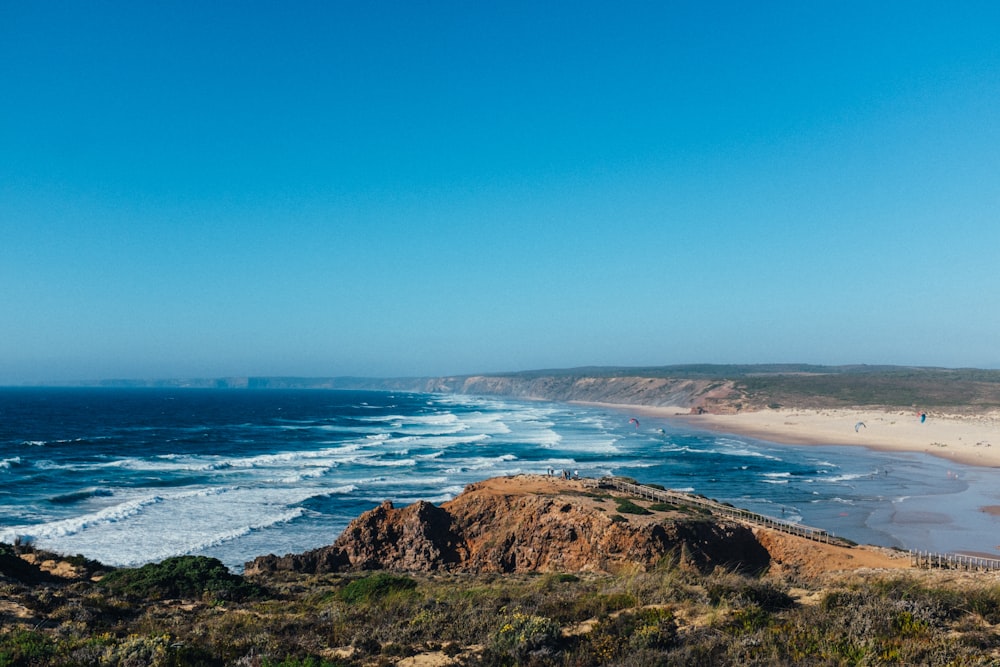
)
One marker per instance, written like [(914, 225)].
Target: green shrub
[(749, 619), (739, 591), (308, 661), (985, 602), (25, 647), (662, 507), (153, 651), (180, 577), (523, 636), (595, 604), (375, 587), (620, 638), (626, 506)]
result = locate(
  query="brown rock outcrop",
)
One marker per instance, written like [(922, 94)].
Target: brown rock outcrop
[(528, 524)]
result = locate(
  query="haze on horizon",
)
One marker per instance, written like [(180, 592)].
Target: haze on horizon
[(403, 189)]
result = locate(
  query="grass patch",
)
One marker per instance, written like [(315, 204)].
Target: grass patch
[(376, 587), (626, 506), (663, 507)]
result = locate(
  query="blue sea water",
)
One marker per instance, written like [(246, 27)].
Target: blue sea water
[(128, 476)]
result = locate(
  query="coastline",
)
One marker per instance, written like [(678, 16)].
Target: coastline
[(967, 439)]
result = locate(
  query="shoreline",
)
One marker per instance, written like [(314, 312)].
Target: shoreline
[(967, 439)]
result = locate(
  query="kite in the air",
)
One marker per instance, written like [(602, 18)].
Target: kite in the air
[(634, 421), (857, 427)]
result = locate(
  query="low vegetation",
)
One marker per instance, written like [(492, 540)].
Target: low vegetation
[(180, 577), (188, 611), (626, 506)]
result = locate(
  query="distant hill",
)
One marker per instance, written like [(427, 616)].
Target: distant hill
[(696, 387)]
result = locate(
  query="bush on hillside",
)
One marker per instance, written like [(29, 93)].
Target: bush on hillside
[(375, 587), (181, 577), (626, 506)]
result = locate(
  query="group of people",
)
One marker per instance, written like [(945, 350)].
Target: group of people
[(565, 474)]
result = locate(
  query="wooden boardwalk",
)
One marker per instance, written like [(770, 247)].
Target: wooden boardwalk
[(720, 509), (922, 559)]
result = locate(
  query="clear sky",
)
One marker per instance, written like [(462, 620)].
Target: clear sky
[(200, 189)]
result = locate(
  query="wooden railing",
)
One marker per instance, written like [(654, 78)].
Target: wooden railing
[(718, 509), (927, 559)]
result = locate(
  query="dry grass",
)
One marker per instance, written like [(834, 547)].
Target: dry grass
[(666, 616)]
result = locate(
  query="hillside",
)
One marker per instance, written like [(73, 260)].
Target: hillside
[(514, 571)]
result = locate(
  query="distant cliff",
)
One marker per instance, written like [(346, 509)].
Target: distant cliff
[(710, 395), (689, 388)]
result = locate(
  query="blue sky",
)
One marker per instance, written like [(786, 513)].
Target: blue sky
[(424, 188)]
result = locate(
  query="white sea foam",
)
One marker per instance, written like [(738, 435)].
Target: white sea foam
[(847, 477), (65, 527), (745, 451), (492, 424), (7, 463), (478, 463), (143, 529), (432, 423), (131, 554), (342, 490), (443, 441), (392, 463), (313, 473)]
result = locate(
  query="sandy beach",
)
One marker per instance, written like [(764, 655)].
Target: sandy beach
[(968, 439), (972, 440)]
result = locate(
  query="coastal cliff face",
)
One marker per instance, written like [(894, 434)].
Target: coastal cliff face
[(693, 395), (554, 526)]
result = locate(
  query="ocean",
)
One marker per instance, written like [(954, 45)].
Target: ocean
[(129, 476)]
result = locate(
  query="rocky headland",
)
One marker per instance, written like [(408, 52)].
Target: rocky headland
[(532, 524)]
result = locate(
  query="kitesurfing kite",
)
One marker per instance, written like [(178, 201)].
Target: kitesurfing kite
[(634, 421), (857, 427)]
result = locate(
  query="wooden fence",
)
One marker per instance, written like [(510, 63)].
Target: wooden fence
[(927, 559)]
